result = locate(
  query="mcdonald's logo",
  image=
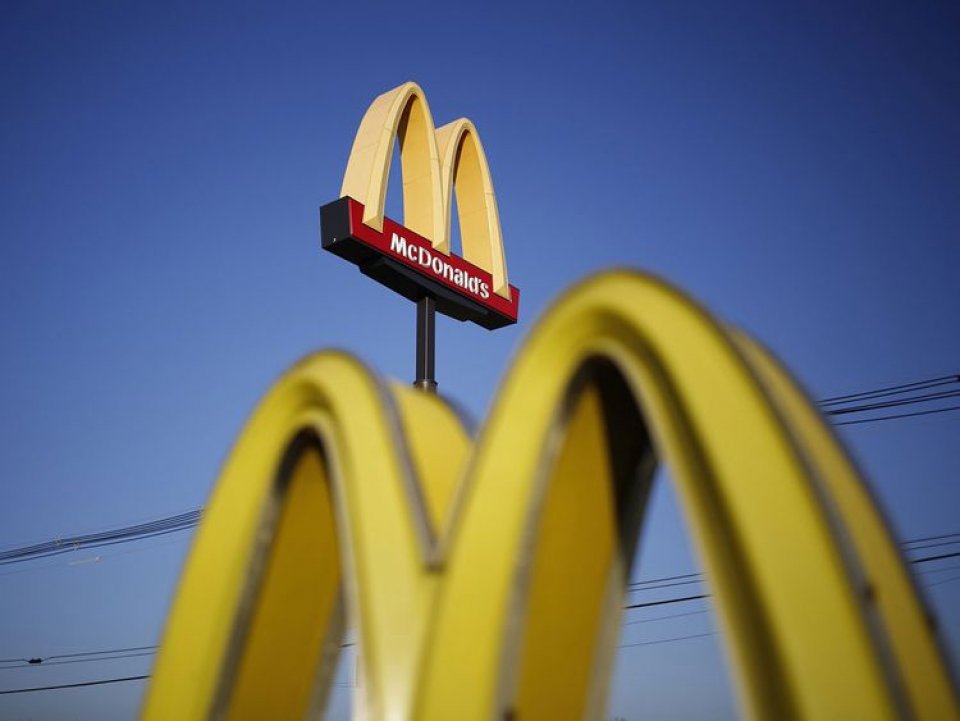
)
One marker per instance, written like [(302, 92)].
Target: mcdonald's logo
[(415, 259), (483, 578)]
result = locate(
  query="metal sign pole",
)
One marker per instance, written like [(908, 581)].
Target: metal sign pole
[(426, 344)]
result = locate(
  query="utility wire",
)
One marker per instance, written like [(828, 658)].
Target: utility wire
[(666, 601), (664, 618), (898, 415), (88, 656), (892, 390), (55, 547), (189, 519), (110, 650), (935, 558), (76, 658), (130, 652), (670, 578), (146, 676), (37, 660), (696, 577), (932, 538), (685, 599), (83, 660), (893, 403), (934, 545), (639, 586), (899, 396), (74, 685), (834, 406), (665, 640)]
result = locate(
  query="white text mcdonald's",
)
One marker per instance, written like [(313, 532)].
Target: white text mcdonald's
[(410, 264)]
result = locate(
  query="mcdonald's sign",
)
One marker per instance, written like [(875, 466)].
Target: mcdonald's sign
[(483, 576), (415, 260)]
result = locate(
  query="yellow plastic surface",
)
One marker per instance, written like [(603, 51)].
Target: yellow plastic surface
[(789, 609), (576, 544), (891, 594), (464, 167), (372, 451), (296, 605), (484, 580)]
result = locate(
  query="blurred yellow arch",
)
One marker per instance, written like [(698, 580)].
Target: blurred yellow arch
[(484, 578), (434, 162)]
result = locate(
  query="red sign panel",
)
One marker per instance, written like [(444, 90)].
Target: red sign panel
[(408, 263)]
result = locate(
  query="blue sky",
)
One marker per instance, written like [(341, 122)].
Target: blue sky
[(797, 169)]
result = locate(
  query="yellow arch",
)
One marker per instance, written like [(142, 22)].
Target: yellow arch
[(464, 166), (788, 590), (897, 603), (434, 162), (400, 113), (501, 594), (376, 472)]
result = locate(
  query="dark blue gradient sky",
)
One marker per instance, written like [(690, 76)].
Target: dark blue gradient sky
[(797, 169)]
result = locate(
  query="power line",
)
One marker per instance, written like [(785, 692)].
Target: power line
[(113, 536), (697, 597), (666, 578), (638, 586), (711, 633), (893, 403), (898, 415), (937, 544), (909, 545), (84, 657), (932, 538), (146, 676), (181, 522), (74, 685), (184, 521), (82, 660), (898, 396), (935, 558), (189, 519), (892, 390), (664, 618), (926, 539), (666, 640), (638, 589), (667, 601), (89, 656), (128, 649)]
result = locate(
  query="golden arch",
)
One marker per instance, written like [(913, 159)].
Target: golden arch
[(460, 590), (433, 163)]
